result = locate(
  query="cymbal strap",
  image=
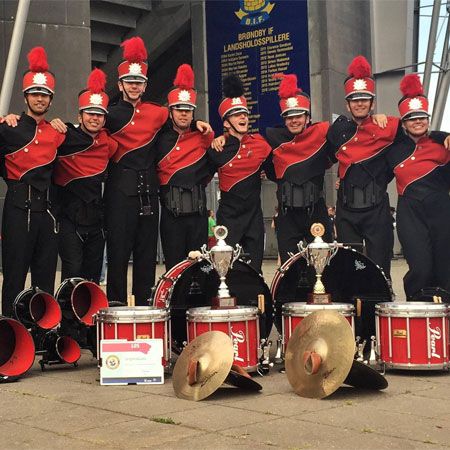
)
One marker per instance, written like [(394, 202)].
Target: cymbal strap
[(192, 371), (240, 370)]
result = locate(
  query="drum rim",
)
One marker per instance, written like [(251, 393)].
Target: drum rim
[(239, 313), (409, 309), (295, 307), (132, 314)]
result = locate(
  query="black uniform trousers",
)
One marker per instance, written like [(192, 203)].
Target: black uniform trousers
[(80, 250), (245, 224), (181, 234), (129, 232), (294, 225), (424, 232), (22, 249), (373, 225)]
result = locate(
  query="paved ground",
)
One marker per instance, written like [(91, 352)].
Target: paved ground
[(65, 407)]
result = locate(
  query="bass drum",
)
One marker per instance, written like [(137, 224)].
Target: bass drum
[(192, 283), (350, 276)]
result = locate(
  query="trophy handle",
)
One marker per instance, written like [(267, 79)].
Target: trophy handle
[(333, 250), (206, 254), (236, 253)]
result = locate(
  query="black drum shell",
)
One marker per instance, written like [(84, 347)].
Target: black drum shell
[(244, 283), (349, 277)]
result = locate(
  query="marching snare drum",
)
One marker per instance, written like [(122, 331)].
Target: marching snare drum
[(193, 283), (294, 313), (132, 323), (350, 276), (413, 335), (241, 324)]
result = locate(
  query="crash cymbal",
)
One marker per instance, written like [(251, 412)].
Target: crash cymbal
[(319, 354), (203, 366), (238, 377), (363, 376)]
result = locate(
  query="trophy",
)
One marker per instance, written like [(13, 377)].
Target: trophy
[(222, 257), (318, 254)]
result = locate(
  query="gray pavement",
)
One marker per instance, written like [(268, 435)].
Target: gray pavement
[(65, 407)]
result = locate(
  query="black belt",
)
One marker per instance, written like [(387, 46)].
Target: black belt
[(27, 197), (292, 195), (352, 196), (183, 201), (135, 183)]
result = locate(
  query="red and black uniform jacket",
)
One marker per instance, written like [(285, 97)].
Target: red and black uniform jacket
[(79, 171), (361, 152), (135, 129), (421, 168), (28, 152), (181, 158), (239, 167), (298, 161)]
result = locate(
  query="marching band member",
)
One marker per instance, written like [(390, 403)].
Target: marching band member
[(79, 171), (239, 170), (299, 159), (422, 169), (360, 147), (183, 172), (28, 152), (131, 202)]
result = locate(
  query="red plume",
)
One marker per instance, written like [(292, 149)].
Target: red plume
[(134, 50), (185, 77), (96, 81), (411, 85), (37, 59), (359, 68), (288, 86)]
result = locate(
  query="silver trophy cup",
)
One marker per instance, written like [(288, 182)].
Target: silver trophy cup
[(318, 254), (221, 257)]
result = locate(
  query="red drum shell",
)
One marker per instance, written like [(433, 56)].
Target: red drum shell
[(193, 283), (413, 335), (132, 323), (294, 313), (241, 324)]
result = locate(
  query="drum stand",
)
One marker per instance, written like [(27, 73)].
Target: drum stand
[(51, 359), (264, 358), (374, 359)]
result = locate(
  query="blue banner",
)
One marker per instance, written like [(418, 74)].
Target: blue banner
[(256, 39)]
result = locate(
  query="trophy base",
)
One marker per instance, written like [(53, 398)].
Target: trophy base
[(223, 303), (319, 299)]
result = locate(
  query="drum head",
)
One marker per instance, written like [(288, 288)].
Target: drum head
[(350, 275), (198, 284)]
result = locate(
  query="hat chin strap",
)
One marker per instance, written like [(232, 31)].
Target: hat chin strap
[(234, 128), (176, 124), (126, 93), (370, 106), (33, 111)]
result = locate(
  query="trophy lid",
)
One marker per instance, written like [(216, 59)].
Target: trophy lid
[(210, 356), (319, 354), (221, 232)]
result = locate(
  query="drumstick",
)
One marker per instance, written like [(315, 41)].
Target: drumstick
[(358, 307), (130, 300), (261, 303)]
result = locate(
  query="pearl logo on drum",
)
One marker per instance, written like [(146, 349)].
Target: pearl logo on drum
[(435, 334), (237, 338), (359, 265)]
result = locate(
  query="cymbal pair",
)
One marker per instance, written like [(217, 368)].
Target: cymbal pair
[(205, 364)]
